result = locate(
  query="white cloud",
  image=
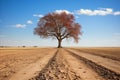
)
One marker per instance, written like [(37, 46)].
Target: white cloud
[(23, 25), (117, 13), (20, 25), (29, 22), (89, 12), (101, 11), (38, 15), (60, 11)]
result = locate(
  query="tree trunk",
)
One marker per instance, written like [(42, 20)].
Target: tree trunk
[(59, 43)]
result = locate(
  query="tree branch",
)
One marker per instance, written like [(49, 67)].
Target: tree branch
[(65, 36)]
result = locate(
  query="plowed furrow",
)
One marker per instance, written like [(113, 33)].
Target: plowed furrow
[(81, 69), (104, 56), (33, 69), (57, 69), (101, 70)]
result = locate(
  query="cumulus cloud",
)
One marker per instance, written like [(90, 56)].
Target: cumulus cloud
[(38, 15), (60, 11), (117, 13), (100, 11), (89, 12), (20, 25), (23, 25), (29, 22)]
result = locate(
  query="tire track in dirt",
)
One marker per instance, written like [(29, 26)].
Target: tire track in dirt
[(106, 62), (104, 56), (33, 69), (57, 69), (101, 70), (80, 68)]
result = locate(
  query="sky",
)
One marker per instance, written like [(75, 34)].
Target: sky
[(100, 21)]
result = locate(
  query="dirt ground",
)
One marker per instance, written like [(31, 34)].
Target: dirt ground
[(59, 64), (112, 53)]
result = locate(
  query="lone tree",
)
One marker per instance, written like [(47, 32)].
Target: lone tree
[(58, 26)]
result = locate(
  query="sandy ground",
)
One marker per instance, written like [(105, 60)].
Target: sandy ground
[(59, 64), (112, 53), (16, 61), (80, 69), (108, 63)]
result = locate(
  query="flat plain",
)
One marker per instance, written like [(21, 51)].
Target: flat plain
[(60, 63)]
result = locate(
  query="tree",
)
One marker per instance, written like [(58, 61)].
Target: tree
[(58, 25)]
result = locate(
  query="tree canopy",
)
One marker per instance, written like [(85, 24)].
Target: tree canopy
[(58, 25)]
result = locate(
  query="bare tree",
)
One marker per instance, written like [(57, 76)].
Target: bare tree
[(58, 25)]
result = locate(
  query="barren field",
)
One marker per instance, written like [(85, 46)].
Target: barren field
[(59, 63)]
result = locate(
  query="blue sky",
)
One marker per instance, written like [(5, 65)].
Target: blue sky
[(100, 21)]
